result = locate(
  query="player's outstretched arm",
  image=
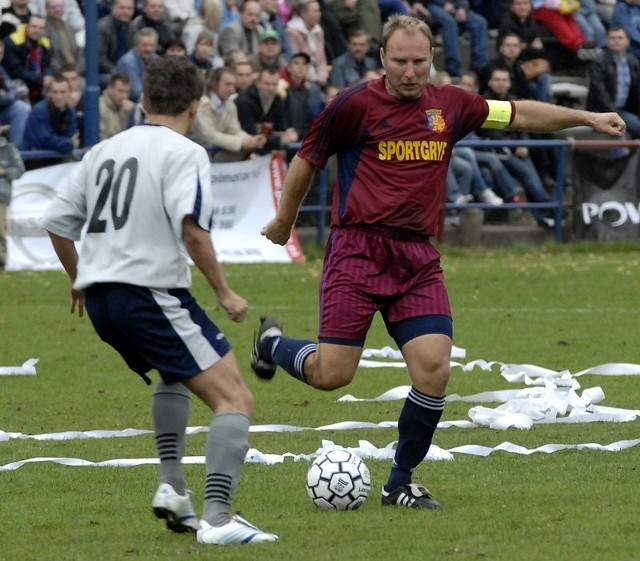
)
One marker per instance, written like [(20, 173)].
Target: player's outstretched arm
[(534, 116), (200, 248), (66, 251), (296, 186)]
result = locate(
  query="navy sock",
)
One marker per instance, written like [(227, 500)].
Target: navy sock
[(289, 354), (416, 425)]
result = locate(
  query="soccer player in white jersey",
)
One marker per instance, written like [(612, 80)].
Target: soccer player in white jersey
[(146, 200)]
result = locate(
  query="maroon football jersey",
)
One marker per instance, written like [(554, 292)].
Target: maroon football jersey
[(393, 155)]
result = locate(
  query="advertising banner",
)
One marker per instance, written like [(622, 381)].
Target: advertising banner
[(246, 195), (607, 196)]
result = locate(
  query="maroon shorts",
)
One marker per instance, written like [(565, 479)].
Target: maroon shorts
[(367, 269)]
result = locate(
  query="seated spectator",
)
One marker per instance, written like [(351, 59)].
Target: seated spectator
[(71, 14), (245, 76), (13, 111), (11, 168), (270, 21), (233, 57), (451, 19), (614, 83), (590, 24), (270, 53), (115, 37), (349, 68), (626, 14), (204, 55), (64, 48), (17, 13), (517, 160), (175, 47), (563, 27), (489, 162), (52, 123), (262, 111), (116, 109), (303, 100), (518, 19), (217, 121), (76, 94), (243, 33), (306, 36), (133, 62), (153, 16), (524, 85), (27, 57), (359, 14)]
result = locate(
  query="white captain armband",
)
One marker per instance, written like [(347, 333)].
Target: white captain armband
[(500, 115)]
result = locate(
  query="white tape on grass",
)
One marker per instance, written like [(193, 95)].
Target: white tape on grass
[(365, 450)]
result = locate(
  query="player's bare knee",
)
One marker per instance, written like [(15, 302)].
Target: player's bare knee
[(332, 379)]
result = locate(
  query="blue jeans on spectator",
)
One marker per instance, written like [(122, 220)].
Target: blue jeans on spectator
[(590, 24), (459, 178), (450, 31), (525, 172), (15, 115), (503, 181), (478, 182)]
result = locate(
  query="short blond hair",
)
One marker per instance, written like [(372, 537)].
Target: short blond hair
[(405, 23)]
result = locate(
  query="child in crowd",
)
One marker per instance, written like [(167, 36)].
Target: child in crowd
[(11, 168)]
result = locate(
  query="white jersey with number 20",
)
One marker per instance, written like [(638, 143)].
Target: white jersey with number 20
[(133, 191)]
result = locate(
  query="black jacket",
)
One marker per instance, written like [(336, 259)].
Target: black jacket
[(603, 83)]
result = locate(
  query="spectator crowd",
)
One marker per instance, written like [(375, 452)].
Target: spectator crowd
[(270, 66)]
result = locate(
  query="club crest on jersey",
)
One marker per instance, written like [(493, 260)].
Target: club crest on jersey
[(435, 120)]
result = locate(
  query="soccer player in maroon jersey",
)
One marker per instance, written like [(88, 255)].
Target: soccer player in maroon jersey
[(393, 139)]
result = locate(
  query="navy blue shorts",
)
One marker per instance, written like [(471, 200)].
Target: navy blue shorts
[(162, 329)]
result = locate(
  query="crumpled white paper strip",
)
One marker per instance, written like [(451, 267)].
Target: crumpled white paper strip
[(28, 367), (365, 450)]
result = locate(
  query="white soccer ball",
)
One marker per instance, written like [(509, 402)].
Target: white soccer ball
[(338, 480)]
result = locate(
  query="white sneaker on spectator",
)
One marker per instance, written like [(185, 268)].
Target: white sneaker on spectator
[(237, 530), (463, 199), (489, 197), (176, 509)]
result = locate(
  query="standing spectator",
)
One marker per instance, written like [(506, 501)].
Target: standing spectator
[(452, 18), (116, 109), (270, 21), (13, 16), (350, 68), (64, 48), (306, 36), (517, 160), (52, 122), (303, 100), (626, 14), (13, 111), (134, 61), (153, 15), (11, 168), (115, 37), (242, 33), (270, 53), (261, 111), (28, 57), (217, 121), (615, 81)]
